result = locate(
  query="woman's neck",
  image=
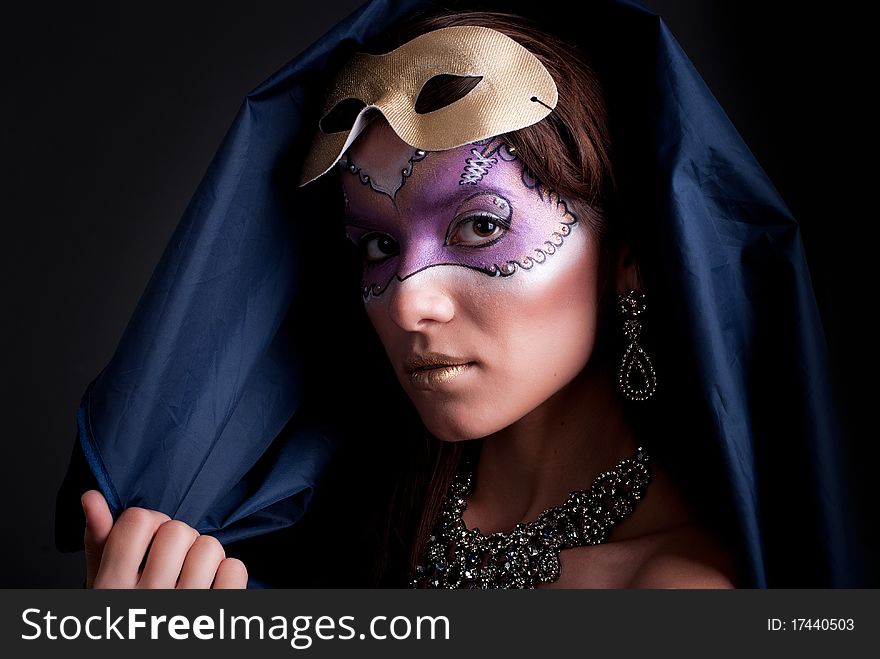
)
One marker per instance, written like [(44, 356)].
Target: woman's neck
[(559, 447)]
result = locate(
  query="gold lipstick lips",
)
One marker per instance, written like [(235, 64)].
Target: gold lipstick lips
[(431, 369), (431, 377)]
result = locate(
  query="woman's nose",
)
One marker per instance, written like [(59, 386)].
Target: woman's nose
[(420, 300)]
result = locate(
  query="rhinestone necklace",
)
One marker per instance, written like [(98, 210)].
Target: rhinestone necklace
[(458, 557)]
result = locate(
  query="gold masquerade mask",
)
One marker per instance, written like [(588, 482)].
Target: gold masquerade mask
[(514, 91)]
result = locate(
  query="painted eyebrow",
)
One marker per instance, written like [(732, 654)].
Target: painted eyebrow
[(460, 196)]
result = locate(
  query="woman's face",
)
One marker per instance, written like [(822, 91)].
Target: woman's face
[(467, 263)]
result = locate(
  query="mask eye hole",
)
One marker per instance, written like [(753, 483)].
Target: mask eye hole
[(342, 116), (444, 89)]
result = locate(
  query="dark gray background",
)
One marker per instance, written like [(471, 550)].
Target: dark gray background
[(111, 113)]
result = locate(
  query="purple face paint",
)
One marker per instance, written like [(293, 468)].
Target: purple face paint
[(473, 206)]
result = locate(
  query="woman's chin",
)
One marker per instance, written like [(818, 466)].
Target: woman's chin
[(451, 429)]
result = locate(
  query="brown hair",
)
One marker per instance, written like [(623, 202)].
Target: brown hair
[(569, 152)]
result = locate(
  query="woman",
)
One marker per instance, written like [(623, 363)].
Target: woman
[(519, 299)]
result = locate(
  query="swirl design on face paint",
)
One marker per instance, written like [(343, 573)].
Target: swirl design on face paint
[(549, 247)]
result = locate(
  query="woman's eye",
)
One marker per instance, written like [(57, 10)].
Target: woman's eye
[(377, 247), (477, 231)]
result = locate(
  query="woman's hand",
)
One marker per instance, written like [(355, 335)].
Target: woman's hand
[(179, 557)]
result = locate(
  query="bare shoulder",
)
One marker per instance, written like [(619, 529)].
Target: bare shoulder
[(662, 544), (688, 557), (677, 551)]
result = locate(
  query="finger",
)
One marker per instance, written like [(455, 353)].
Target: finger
[(126, 546), (167, 553), (99, 522), (231, 574), (202, 561)]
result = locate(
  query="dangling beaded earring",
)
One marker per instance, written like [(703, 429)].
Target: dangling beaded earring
[(635, 359)]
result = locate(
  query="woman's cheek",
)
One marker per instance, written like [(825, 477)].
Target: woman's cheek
[(544, 320)]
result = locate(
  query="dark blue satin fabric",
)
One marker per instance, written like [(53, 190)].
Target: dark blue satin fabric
[(246, 362)]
